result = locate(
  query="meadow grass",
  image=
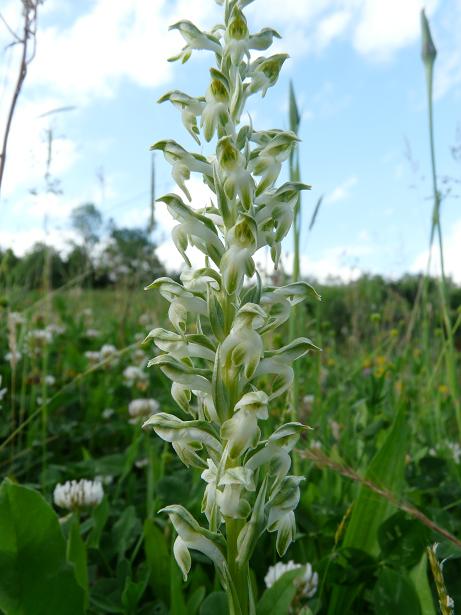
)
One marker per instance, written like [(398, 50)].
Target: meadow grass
[(365, 373)]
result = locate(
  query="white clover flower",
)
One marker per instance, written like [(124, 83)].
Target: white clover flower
[(107, 413), (76, 495), (13, 356), (55, 329), (104, 479), (39, 337), (16, 318), (455, 449), (3, 391), (307, 583), (123, 270), (134, 375), (140, 409), (336, 430), (49, 380), (145, 320), (109, 354), (139, 357), (93, 356), (92, 333), (107, 351), (308, 403)]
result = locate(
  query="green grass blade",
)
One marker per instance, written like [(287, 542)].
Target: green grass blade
[(370, 510)]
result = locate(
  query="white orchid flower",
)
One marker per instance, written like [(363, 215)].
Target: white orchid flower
[(195, 39), (183, 163), (267, 160), (190, 109), (220, 357)]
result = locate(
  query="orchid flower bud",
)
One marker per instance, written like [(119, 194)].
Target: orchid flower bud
[(215, 113), (182, 395), (237, 261), (241, 433), (230, 500), (265, 72), (281, 516), (236, 37), (209, 501), (238, 180), (182, 556)]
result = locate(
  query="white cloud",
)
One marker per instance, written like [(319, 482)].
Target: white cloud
[(452, 261), (376, 28), (28, 148), (342, 191), (340, 262), (384, 26), (20, 240), (332, 26), (448, 64), (113, 41)]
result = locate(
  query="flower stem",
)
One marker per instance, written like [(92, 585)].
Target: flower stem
[(240, 601)]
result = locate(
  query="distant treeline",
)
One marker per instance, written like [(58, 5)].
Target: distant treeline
[(104, 256), (101, 255)]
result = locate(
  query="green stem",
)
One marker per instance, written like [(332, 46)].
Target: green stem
[(442, 286), (239, 599), (150, 502)]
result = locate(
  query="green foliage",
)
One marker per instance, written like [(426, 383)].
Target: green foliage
[(279, 597), (35, 576), (369, 510), (358, 381), (86, 220)]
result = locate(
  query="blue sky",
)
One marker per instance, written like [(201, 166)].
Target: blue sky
[(359, 79)]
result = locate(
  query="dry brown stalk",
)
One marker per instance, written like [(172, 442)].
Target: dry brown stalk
[(27, 40), (323, 461)]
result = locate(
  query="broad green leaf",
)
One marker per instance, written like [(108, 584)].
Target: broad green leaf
[(158, 558), (125, 531), (99, 518), (76, 554), (421, 583), (35, 576), (370, 510), (215, 603), (394, 593), (134, 589), (195, 600), (278, 598), (403, 540)]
